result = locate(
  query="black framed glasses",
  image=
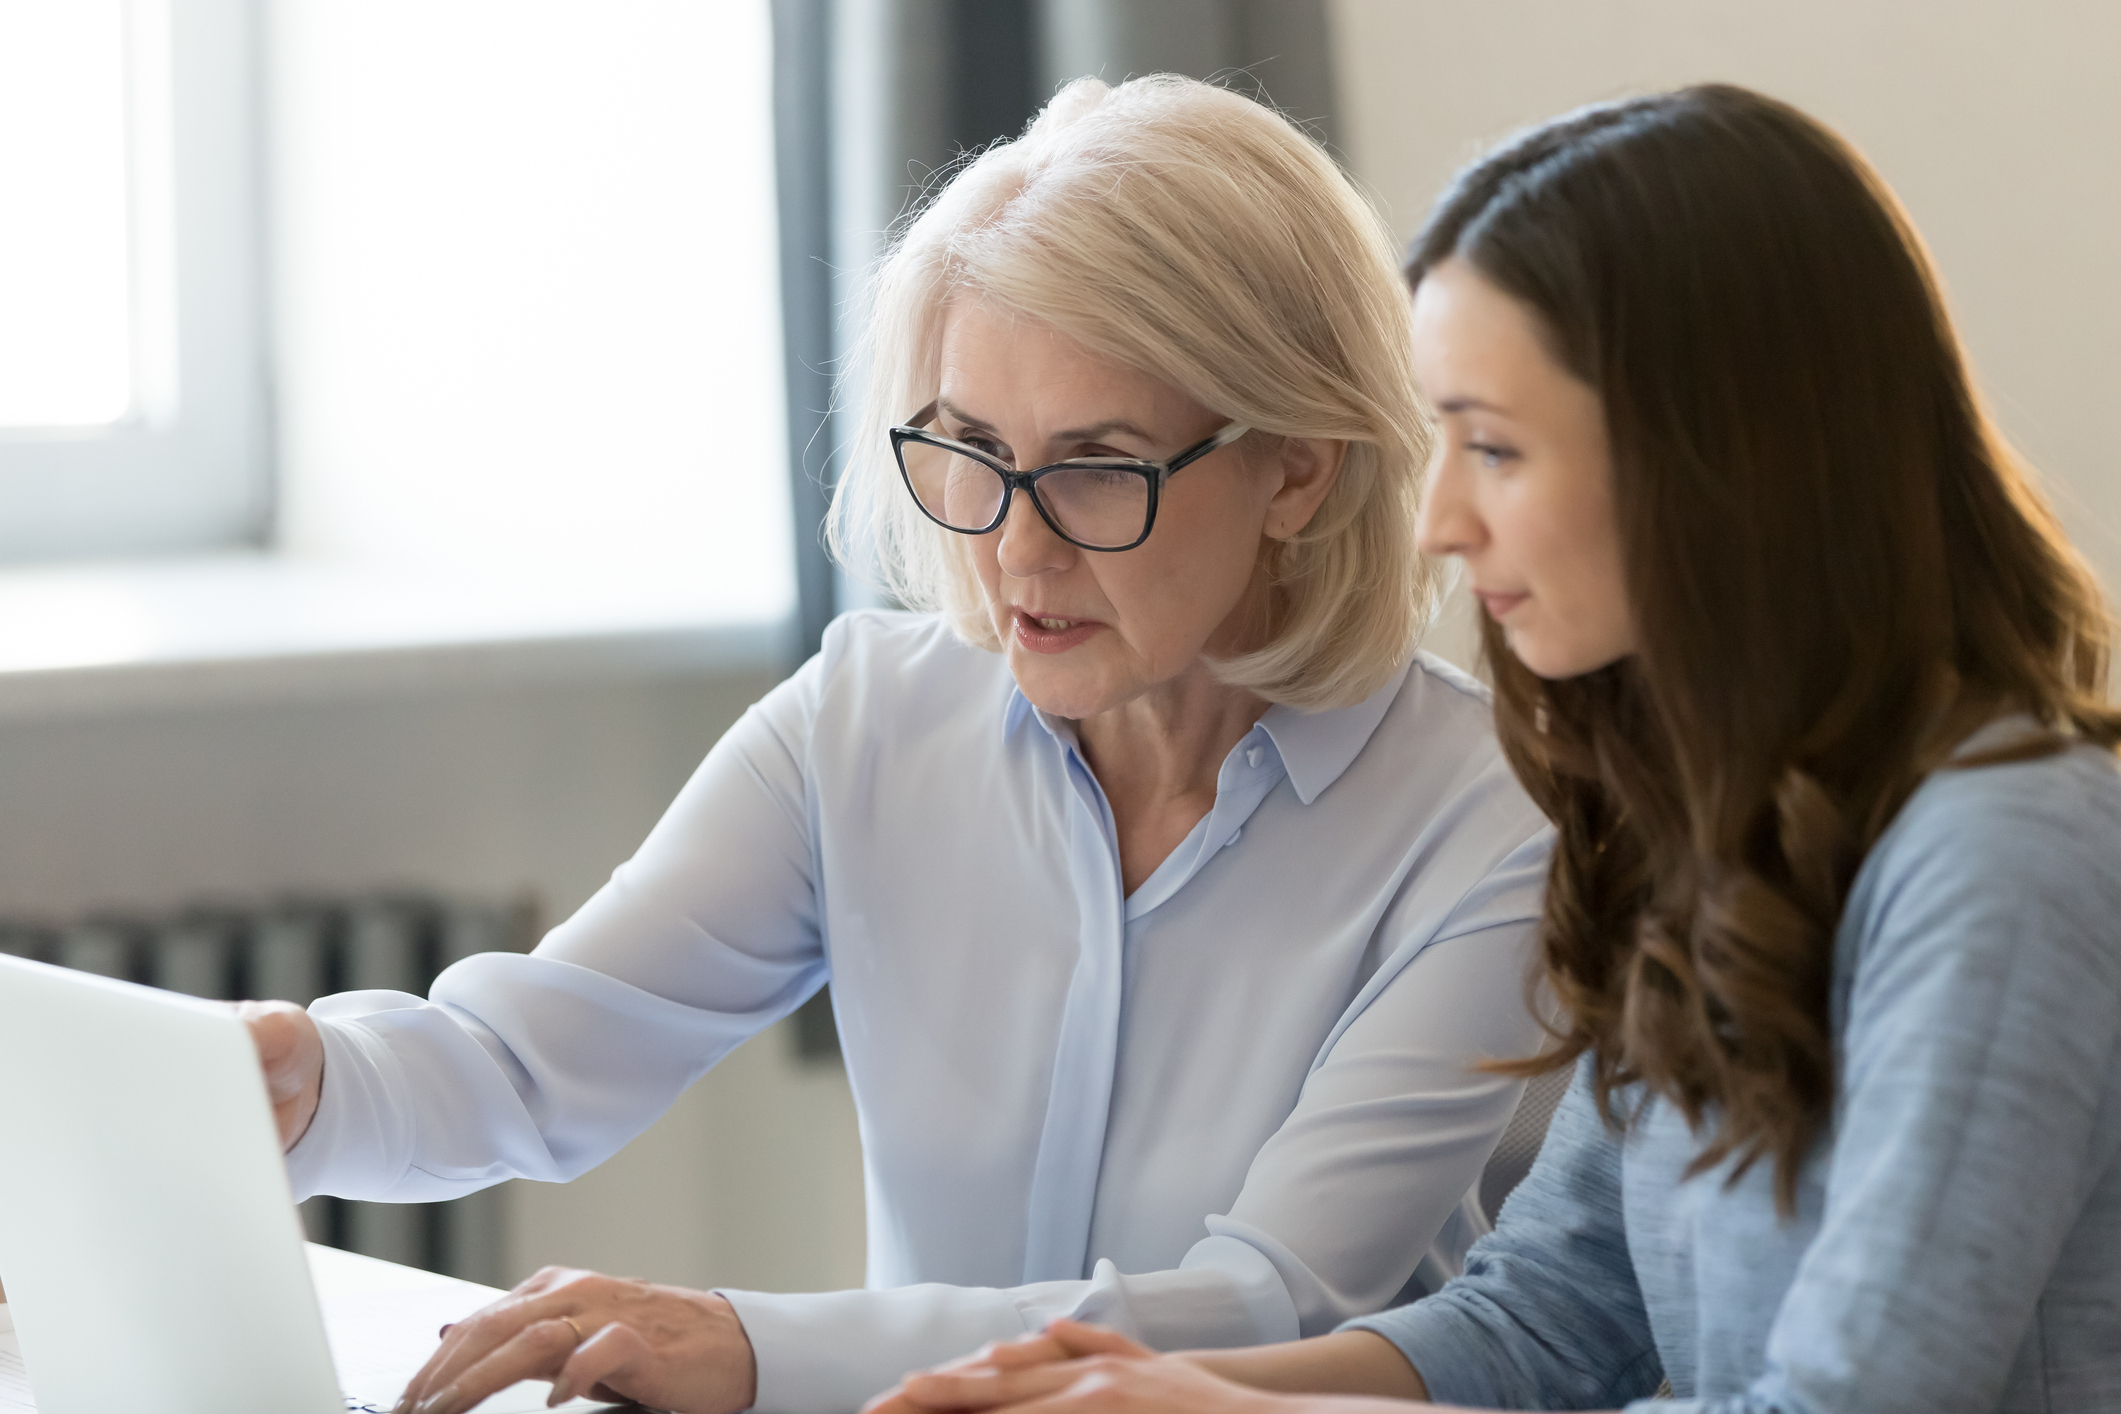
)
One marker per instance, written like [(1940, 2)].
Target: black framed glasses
[(1096, 503)]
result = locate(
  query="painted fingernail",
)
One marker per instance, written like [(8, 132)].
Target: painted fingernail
[(442, 1401), (443, 1334), (562, 1391)]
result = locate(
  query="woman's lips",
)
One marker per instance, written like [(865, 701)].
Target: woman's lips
[(1048, 634), (1499, 605)]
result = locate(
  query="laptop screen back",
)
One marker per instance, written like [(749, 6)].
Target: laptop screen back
[(148, 1241)]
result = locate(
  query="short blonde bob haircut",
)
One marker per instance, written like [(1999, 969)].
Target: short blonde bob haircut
[(1188, 232)]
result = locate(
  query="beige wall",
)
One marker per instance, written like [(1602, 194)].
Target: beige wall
[(1999, 125)]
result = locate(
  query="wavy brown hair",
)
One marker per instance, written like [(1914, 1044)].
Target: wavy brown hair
[(1837, 570)]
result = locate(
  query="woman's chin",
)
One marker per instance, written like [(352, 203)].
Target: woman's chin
[(1060, 687), (1558, 661)]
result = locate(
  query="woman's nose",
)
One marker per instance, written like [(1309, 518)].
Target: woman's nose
[(1448, 523), (1028, 545)]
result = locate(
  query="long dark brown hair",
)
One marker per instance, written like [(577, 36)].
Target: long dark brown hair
[(1836, 566)]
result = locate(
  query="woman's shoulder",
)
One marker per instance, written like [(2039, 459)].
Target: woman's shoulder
[(1999, 816), (1432, 754), (1454, 684), (882, 649), (2012, 856), (878, 670), (1440, 712), (888, 631)]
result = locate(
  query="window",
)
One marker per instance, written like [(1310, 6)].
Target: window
[(527, 314), (132, 385), (525, 378)]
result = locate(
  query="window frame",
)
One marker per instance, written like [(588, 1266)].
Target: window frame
[(190, 469)]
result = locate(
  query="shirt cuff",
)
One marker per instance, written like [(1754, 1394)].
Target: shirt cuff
[(358, 1143), (830, 1352)]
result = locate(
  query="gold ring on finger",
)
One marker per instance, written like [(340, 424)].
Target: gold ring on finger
[(578, 1336)]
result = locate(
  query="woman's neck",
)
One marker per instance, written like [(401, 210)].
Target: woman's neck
[(1158, 757)]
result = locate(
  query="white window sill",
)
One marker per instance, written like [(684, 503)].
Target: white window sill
[(90, 639)]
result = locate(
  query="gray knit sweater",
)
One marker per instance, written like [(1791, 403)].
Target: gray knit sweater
[(1957, 1243)]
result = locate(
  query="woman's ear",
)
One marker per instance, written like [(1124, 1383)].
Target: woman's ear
[(1310, 467)]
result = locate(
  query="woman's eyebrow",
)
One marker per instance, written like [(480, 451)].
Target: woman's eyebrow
[(1093, 432), (962, 416), (1098, 431), (1470, 404)]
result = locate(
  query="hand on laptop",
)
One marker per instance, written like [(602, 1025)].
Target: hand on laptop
[(603, 1337), (292, 1054)]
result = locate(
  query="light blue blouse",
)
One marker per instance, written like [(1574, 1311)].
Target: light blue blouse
[(1231, 1107), (1957, 1242)]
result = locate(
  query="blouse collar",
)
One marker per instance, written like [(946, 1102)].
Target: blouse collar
[(1315, 747)]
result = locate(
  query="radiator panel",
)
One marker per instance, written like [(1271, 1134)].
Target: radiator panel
[(297, 951)]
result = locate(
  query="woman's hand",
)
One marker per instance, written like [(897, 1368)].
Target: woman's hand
[(969, 1382), (291, 1052), (1088, 1370), (1069, 1366), (605, 1337)]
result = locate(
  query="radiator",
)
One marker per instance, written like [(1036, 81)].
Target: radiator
[(299, 950)]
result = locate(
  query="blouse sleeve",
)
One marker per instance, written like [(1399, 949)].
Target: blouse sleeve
[(544, 1066)]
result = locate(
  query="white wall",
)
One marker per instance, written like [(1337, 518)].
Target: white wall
[(1998, 124), (537, 785), (521, 784)]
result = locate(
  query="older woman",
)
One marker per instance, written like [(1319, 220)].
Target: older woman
[(1166, 898)]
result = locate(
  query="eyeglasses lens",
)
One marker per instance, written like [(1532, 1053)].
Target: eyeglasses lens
[(1097, 506), (954, 489)]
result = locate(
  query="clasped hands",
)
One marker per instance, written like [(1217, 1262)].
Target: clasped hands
[(1069, 1368)]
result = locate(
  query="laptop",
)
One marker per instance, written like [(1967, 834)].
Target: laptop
[(149, 1245)]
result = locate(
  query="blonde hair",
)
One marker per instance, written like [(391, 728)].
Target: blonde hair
[(1184, 230)]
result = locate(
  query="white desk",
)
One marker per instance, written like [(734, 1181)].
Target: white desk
[(14, 1386), (372, 1311)]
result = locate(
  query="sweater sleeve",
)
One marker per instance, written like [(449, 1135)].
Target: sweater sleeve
[(1547, 1314), (1977, 1095)]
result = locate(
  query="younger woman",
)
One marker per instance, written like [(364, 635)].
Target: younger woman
[(1804, 672)]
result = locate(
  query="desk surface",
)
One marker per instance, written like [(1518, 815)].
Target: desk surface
[(339, 1273), (14, 1384), (375, 1314)]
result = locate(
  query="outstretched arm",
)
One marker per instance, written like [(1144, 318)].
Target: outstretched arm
[(543, 1066)]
